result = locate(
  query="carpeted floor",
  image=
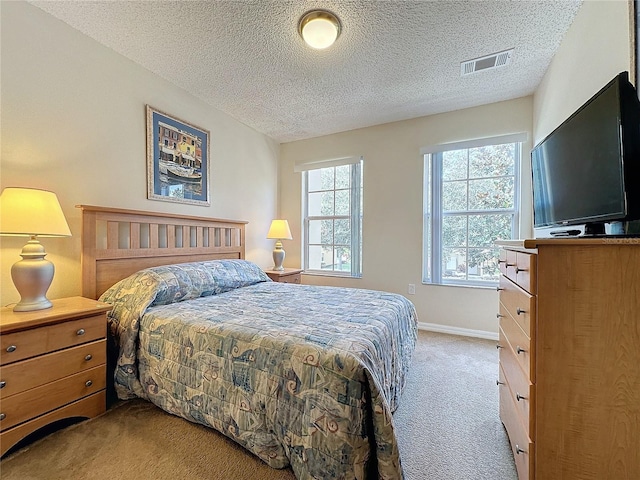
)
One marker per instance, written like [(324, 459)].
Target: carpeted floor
[(447, 425)]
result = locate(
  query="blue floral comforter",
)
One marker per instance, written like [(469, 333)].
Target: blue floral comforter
[(306, 376)]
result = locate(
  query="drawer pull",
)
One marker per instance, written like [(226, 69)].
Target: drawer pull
[(498, 346), (88, 383), (520, 350), (2, 416), (520, 397), (3, 384), (518, 270), (499, 289), (502, 261), (498, 315), (520, 311), (11, 348), (519, 450), (511, 264), (88, 357), (80, 332), (498, 382)]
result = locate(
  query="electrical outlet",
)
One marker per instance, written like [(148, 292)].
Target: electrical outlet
[(412, 289)]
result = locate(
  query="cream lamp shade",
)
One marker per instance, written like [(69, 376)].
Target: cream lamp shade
[(32, 213), (279, 230), (319, 28)]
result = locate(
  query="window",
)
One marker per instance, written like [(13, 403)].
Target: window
[(333, 219), (470, 201)]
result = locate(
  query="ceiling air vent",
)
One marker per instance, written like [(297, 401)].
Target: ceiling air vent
[(495, 60)]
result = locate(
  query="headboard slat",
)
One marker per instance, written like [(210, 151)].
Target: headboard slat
[(152, 240)]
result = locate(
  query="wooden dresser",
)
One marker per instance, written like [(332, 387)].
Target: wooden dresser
[(53, 366), (288, 275), (569, 374)]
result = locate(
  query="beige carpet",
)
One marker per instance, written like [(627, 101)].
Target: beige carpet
[(447, 425)]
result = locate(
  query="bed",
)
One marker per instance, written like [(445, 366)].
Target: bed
[(299, 375)]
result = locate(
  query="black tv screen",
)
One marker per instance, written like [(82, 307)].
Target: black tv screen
[(583, 171)]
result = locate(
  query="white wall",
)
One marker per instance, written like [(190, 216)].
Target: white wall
[(595, 49), (73, 121), (392, 222)]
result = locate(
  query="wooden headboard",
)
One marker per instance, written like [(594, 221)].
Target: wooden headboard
[(118, 242)]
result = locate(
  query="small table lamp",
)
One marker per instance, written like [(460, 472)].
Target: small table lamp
[(31, 213), (280, 231)]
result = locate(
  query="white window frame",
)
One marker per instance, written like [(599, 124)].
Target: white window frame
[(355, 214), (432, 206)]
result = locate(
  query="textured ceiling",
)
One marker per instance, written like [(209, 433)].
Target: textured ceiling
[(394, 60)]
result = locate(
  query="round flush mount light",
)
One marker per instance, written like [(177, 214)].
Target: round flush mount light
[(319, 28)]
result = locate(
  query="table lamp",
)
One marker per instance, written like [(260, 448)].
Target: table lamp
[(279, 230), (32, 213)]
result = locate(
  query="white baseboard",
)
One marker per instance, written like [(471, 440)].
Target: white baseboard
[(465, 332)]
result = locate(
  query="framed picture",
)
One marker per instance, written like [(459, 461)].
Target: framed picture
[(177, 160)]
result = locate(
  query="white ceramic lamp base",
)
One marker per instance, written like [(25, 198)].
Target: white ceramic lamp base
[(278, 256), (32, 277)]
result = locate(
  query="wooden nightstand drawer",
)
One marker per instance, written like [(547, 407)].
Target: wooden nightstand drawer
[(36, 341), (21, 376), (53, 366), (290, 278), (288, 275), (36, 401), (87, 407)]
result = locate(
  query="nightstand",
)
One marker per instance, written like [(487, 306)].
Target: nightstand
[(53, 366), (288, 275)]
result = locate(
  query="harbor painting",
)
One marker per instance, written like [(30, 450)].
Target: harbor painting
[(177, 160)]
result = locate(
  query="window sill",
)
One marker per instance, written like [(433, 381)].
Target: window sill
[(316, 273), (461, 285)]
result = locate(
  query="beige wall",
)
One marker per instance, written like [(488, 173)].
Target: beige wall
[(73, 121), (392, 222), (65, 98), (595, 49)]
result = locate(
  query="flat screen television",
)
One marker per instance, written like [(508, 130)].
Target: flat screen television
[(587, 171)]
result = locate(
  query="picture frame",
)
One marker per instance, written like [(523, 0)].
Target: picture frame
[(177, 160)]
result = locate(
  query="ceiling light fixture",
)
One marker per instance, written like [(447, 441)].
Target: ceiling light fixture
[(319, 28)]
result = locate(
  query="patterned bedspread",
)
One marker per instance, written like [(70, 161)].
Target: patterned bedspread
[(305, 376)]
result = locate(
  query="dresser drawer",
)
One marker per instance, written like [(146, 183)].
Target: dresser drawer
[(520, 268), (36, 341), (526, 271), (520, 304), (510, 265), (521, 445), (502, 261), (36, 401), (516, 340), (20, 376), (520, 388)]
